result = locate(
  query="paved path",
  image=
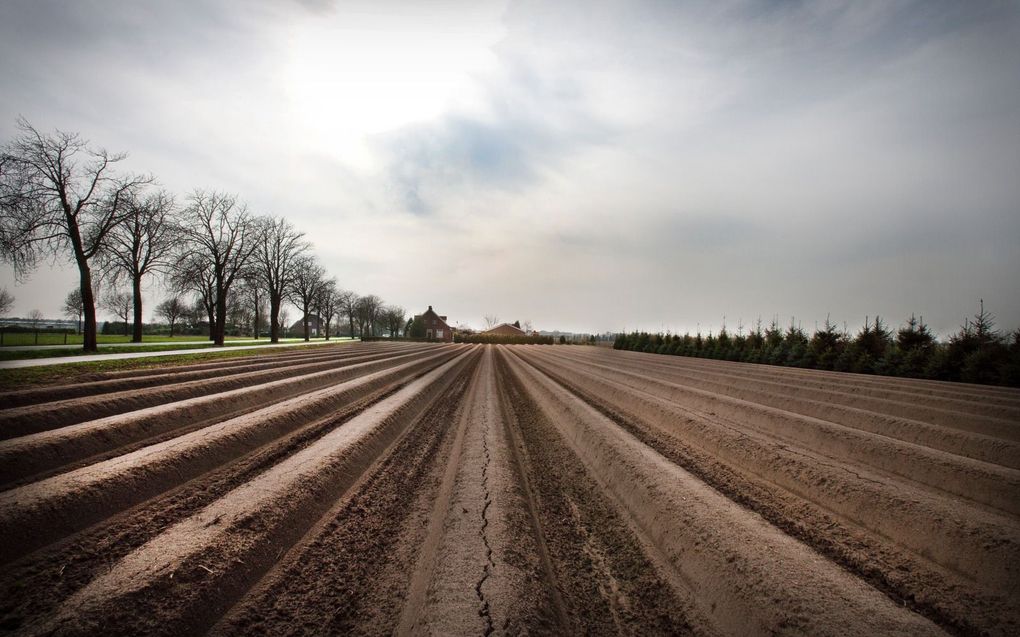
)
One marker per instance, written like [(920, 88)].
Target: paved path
[(201, 343), (60, 360)]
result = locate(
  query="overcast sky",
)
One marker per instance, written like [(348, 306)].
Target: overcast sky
[(589, 166)]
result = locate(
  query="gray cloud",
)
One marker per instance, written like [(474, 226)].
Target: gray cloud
[(617, 164)]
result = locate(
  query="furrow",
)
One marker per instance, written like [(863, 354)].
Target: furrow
[(752, 579), (475, 585), (982, 482), (223, 549), (32, 587), (44, 451), (831, 404), (365, 546), (428, 557), (38, 513), (981, 545), (110, 382), (37, 418), (908, 390), (605, 578)]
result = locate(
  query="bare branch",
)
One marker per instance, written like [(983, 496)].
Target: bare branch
[(59, 196)]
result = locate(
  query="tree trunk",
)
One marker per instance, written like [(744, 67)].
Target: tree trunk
[(305, 320), (350, 317), (136, 337), (274, 318), (88, 301), (171, 329), (221, 318)]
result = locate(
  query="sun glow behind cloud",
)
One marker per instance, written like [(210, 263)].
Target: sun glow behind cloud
[(365, 71)]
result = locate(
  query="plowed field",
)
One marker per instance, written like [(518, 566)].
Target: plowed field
[(461, 490)]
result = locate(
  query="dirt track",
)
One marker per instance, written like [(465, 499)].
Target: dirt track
[(425, 489)]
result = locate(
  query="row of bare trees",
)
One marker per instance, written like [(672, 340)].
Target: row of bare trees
[(60, 196), (336, 310)]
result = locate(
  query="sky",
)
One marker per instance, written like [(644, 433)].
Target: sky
[(588, 166)]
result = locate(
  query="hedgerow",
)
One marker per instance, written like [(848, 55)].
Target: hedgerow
[(976, 354), (498, 339)]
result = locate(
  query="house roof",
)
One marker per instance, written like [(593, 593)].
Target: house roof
[(432, 313), (314, 322), (510, 325)]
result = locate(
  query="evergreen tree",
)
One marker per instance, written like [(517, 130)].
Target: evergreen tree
[(723, 344), (870, 346), (826, 345), (795, 345), (988, 353), (915, 345), (1010, 373), (977, 353), (416, 328)]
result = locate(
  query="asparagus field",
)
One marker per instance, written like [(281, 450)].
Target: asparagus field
[(413, 488)]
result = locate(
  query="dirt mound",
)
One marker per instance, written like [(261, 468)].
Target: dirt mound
[(440, 489)]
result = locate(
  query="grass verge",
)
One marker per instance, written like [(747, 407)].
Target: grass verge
[(162, 347), (68, 373), (47, 338)]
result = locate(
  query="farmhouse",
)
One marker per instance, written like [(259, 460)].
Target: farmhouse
[(314, 326), (435, 326), (504, 329)]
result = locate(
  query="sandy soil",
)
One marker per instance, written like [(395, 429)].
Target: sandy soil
[(464, 490)]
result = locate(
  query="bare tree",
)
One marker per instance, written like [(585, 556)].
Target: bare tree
[(144, 243), (59, 196), (284, 321), (36, 317), (199, 310), (327, 304), (17, 218), (252, 295), (171, 310), (491, 321), (121, 304), (224, 235), (367, 311), (349, 307), (6, 301), (279, 247), (195, 274), (395, 317), (308, 278), (239, 310), (526, 326), (73, 307)]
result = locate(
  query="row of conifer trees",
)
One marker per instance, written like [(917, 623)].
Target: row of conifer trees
[(978, 353)]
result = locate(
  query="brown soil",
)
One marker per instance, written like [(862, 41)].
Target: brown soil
[(429, 489)]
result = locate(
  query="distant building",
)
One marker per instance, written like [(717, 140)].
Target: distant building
[(504, 329), (42, 324), (314, 326), (435, 326)]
